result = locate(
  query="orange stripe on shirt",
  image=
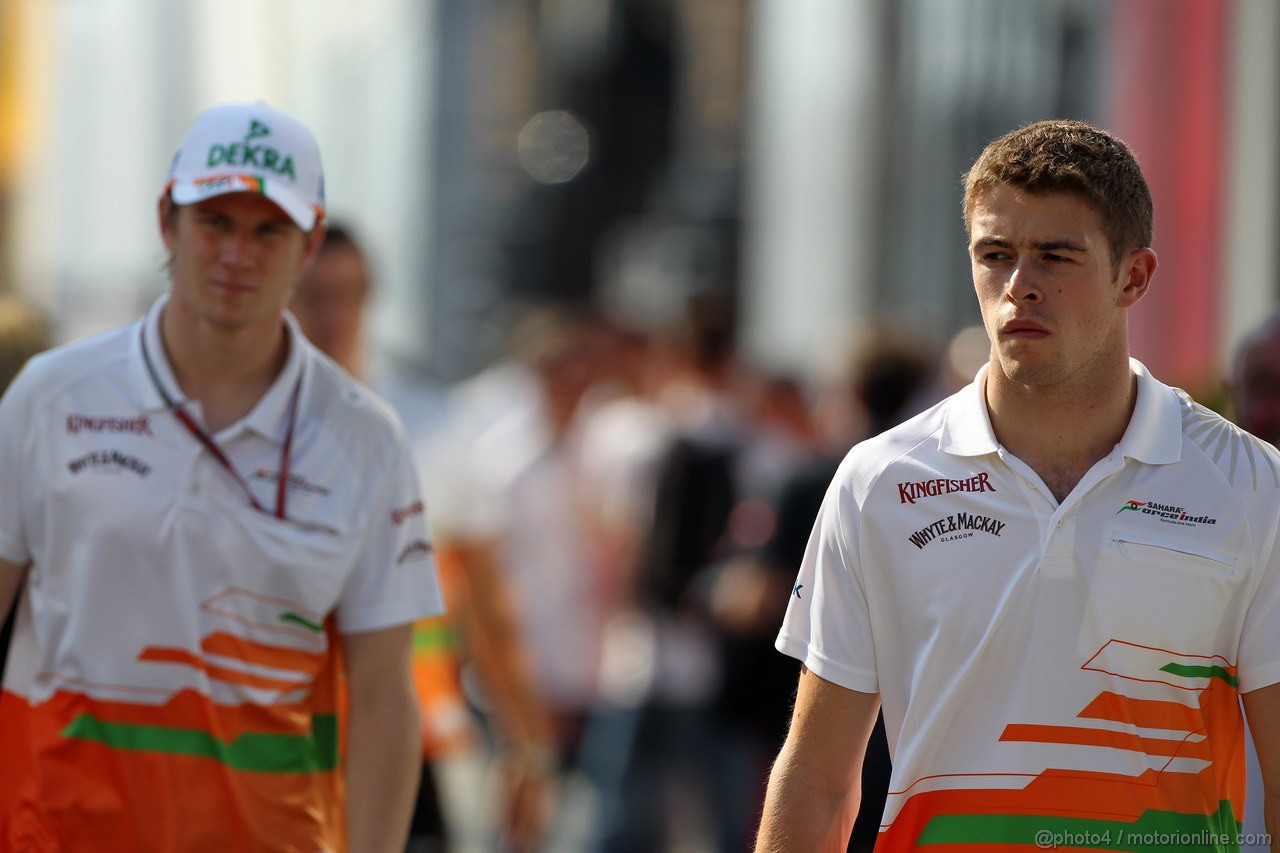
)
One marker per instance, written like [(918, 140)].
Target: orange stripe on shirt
[(1145, 713), (219, 673), (1029, 733), (277, 657)]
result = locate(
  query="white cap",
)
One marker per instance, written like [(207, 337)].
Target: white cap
[(238, 148)]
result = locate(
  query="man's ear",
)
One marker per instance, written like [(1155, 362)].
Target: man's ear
[(1136, 271), (167, 212), (314, 240)]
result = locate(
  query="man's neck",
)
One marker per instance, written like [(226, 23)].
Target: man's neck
[(1063, 430), (226, 370)]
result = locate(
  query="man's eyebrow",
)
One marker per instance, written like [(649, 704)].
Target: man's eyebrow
[(1061, 244), (987, 242), (1056, 245)]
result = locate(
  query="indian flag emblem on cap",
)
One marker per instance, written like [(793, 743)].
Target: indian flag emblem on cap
[(216, 184)]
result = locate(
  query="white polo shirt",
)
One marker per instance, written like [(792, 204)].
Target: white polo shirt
[(172, 680), (528, 502), (1068, 668)]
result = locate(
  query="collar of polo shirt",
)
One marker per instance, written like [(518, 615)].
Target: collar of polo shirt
[(1154, 434), (268, 417)]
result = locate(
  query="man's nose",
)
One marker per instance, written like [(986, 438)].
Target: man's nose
[(236, 248), (1023, 286)]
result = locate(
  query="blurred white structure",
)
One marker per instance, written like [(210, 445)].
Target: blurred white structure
[(113, 85), (815, 125)]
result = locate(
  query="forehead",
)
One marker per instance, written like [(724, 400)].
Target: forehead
[(1010, 211), (338, 267)]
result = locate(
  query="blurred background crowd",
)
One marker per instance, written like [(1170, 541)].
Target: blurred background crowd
[(636, 274)]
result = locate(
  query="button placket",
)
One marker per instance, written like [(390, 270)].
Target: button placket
[(191, 475)]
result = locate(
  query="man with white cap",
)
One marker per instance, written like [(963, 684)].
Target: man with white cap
[(214, 522)]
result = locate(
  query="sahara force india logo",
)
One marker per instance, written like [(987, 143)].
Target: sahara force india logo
[(962, 525), (1166, 513), (295, 482), (259, 156)]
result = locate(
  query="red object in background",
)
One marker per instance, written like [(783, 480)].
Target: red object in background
[(1170, 104)]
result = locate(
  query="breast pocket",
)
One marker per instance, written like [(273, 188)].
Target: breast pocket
[(301, 563), (1189, 557), (1170, 593)]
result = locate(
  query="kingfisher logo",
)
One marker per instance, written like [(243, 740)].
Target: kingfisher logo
[(1167, 513), (962, 525), (910, 492), (401, 515), (140, 425)]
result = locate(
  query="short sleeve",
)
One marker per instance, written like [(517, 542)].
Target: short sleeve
[(1258, 664), (394, 581), (15, 416), (828, 625)]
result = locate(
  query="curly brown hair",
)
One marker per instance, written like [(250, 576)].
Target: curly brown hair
[(1063, 155)]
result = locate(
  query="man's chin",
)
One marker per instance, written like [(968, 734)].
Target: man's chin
[(1030, 372)]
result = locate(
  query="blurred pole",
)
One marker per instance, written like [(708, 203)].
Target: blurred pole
[(813, 211), (1250, 283), (84, 227), (13, 111), (367, 82), (27, 94), (487, 73), (1170, 96)]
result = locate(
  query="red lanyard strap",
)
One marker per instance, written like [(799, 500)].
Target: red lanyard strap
[(199, 433)]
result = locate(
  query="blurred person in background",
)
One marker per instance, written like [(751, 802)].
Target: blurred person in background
[(655, 734), (1255, 382), (1057, 550), (621, 434), (215, 523), (511, 508), (887, 379), (24, 332), (329, 303), (1254, 387), (330, 298), (622, 439)]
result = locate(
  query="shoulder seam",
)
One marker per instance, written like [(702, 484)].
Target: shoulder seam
[(1215, 437)]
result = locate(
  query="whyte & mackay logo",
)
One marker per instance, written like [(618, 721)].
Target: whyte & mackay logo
[(140, 425), (109, 460), (909, 493), (418, 549), (961, 525), (1167, 513)]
